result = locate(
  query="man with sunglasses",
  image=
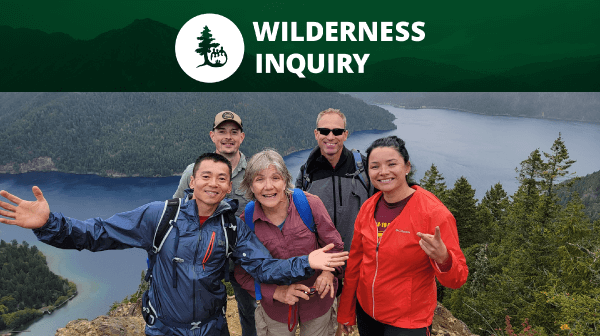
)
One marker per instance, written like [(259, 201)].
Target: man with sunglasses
[(332, 173)]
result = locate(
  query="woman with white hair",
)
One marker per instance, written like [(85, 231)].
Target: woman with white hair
[(277, 214)]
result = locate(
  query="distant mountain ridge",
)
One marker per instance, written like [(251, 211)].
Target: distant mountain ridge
[(575, 106), (138, 57), (157, 134), (588, 189)]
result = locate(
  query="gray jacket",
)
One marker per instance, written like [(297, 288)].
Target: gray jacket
[(236, 178), (340, 189)]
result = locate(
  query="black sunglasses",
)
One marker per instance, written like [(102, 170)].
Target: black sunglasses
[(336, 131)]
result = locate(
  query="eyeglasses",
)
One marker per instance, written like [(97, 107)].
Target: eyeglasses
[(336, 131)]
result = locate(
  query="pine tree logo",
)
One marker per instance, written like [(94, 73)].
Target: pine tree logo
[(213, 56), (201, 48)]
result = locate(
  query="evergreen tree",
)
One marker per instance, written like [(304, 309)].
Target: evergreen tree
[(462, 203), (433, 181), (529, 178), (556, 169)]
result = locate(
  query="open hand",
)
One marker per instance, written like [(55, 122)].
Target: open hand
[(291, 294), (434, 246), (26, 214), (319, 259)]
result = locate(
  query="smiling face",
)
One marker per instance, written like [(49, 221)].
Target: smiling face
[(268, 187), (211, 183), (387, 172), (227, 137), (331, 145)]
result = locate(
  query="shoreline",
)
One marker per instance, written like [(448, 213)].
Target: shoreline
[(478, 113)]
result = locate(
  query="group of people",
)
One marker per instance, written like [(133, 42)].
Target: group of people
[(292, 242)]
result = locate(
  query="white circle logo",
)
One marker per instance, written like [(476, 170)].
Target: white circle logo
[(209, 48)]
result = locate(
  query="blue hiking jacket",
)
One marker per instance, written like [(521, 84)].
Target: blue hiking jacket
[(200, 293)]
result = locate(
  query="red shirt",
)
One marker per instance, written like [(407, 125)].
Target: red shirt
[(294, 239)]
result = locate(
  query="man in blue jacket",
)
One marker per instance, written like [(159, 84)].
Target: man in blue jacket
[(186, 291)]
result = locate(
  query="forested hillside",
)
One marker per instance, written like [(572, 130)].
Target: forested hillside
[(579, 106), (27, 285), (534, 264), (588, 189), (157, 134)]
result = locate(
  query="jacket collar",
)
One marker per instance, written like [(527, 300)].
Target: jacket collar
[(316, 161), (240, 166)]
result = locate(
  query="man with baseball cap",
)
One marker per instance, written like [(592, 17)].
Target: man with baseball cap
[(227, 135)]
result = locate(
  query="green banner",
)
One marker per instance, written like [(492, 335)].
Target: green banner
[(301, 46)]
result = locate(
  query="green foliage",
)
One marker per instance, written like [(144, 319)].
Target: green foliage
[(160, 133), (20, 317), (588, 187), (542, 263), (433, 181), (462, 203), (26, 283)]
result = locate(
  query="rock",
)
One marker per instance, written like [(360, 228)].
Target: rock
[(127, 320)]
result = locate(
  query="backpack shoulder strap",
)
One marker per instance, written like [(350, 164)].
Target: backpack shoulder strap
[(170, 214), (164, 227), (229, 224), (360, 168), (249, 215), (303, 208), (305, 177)]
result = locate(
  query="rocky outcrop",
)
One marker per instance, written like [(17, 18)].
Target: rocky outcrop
[(127, 320), (42, 163)]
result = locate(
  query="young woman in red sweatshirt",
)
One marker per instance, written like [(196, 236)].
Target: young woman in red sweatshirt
[(404, 238)]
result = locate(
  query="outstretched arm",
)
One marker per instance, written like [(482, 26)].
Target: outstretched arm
[(128, 229), (26, 214)]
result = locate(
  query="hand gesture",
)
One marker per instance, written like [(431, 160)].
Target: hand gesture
[(434, 246), (318, 259), (26, 214), (324, 284), (291, 294)]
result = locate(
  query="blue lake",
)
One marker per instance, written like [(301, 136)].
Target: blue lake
[(484, 149)]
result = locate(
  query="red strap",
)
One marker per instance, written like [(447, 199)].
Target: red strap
[(293, 310)]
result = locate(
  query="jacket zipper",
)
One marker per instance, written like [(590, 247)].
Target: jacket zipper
[(208, 250), (194, 268), (340, 189), (334, 201), (375, 276)]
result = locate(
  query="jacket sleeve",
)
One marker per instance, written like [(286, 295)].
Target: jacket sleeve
[(326, 231), (457, 275), (247, 283), (184, 182), (124, 230), (256, 260), (347, 306)]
